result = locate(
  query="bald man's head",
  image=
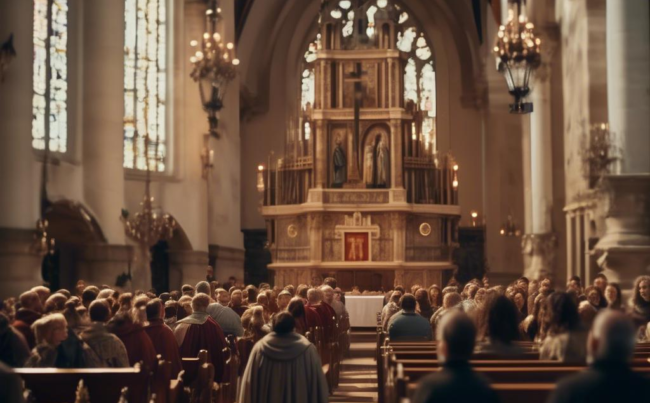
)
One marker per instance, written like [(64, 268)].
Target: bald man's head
[(31, 300), (612, 337), (313, 296)]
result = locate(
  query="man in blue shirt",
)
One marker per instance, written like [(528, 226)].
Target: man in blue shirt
[(407, 325)]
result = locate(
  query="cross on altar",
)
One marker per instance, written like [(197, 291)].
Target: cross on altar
[(356, 77)]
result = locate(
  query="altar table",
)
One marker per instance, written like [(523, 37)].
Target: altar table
[(363, 309)]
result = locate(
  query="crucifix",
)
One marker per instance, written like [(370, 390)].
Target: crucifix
[(356, 77)]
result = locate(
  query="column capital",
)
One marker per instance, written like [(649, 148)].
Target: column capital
[(541, 249)]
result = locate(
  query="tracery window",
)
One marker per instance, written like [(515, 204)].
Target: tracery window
[(308, 90), (50, 76), (145, 84)]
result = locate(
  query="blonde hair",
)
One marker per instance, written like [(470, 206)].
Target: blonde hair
[(44, 327)]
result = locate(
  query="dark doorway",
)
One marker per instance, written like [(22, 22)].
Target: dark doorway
[(50, 268), (160, 267)]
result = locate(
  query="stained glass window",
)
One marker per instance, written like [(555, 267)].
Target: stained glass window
[(308, 90), (145, 84), (50, 76), (411, 81)]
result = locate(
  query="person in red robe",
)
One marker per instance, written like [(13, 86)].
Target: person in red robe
[(325, 312), (30, 311), (138, 344), (162, 336), (200, 332)]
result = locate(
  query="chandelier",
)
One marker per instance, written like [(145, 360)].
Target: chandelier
[(518, 54), (215, 65), (150, 224), (509, 228)]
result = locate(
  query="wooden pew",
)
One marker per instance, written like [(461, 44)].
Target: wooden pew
[(505, 363), (54, 385), (513, 393), (191, 367), (177, 390), (512, 375)]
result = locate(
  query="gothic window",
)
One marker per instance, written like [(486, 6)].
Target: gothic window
[(308, 90), (411, 81), (50, 76), (145, 85), (307, 131)]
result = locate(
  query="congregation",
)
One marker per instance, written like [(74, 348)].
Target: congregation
[(101, 327)]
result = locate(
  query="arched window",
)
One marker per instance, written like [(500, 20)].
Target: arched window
[(145, 84), (50, 76)]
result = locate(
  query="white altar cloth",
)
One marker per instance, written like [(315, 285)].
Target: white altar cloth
[(363, 309)]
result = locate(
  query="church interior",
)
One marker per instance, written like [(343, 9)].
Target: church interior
[(346, 156)]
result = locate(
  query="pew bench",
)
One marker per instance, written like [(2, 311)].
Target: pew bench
[(55, 385), (511, 392)]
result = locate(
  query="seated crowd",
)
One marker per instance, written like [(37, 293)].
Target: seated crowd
[(526, 320), (101, 327)]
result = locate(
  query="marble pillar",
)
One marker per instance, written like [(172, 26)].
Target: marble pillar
[(224, 194), (103, 114), (103, 144), (540, 243), (19, 201), (397, 181), (321, 154), (625, 248)]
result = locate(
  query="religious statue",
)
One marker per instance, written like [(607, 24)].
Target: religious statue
[(340, 165), (368, 165), (383, 164)]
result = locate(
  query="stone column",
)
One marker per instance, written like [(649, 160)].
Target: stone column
[(540, 243), (321, 154), (625, 247), (19, 201), (103, 114), (396, 166), (103, 144), (224, 196)]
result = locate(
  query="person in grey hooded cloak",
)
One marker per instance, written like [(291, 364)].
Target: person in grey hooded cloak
[(284, 367)]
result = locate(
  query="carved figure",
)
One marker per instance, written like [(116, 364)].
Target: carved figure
[(368, 164), (340, 165), (383, 164)]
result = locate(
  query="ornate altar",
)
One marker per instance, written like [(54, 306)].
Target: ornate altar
[(362, 193)]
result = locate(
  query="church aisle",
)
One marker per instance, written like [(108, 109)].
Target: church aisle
[(358, 382)]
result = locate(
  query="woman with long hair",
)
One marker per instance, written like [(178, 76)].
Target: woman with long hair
[(640, 301), (503, 327), (296, 308), (530, 326), (613, 296), (391, 308), (435, 297), (565, 340)]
